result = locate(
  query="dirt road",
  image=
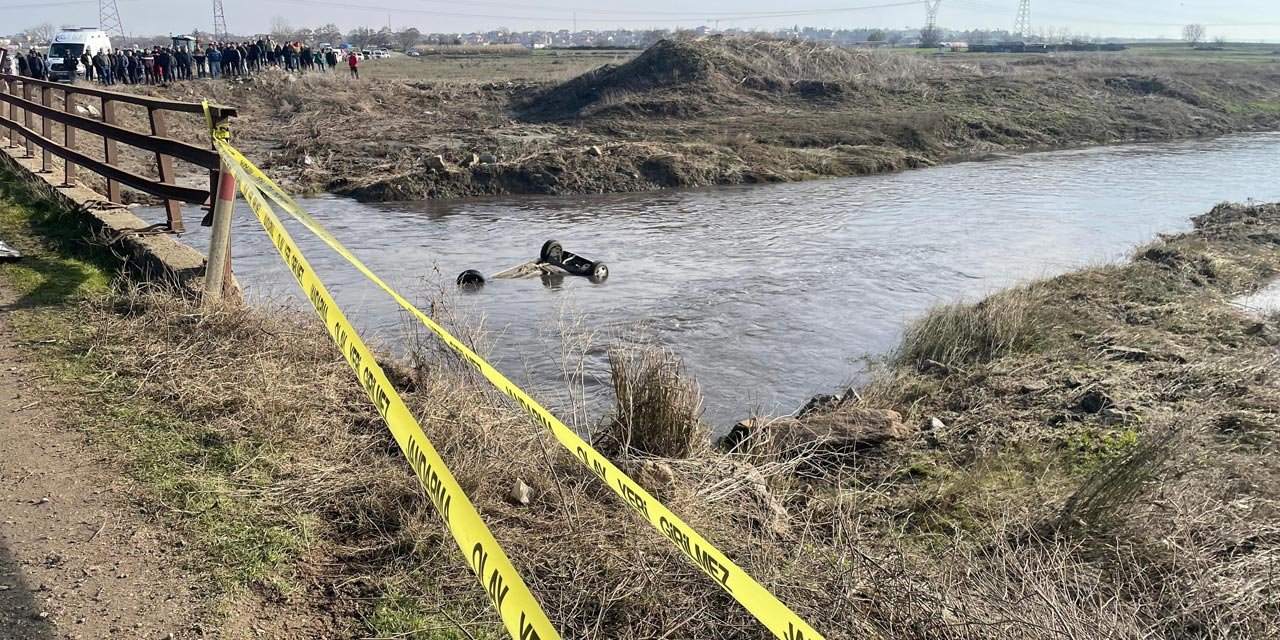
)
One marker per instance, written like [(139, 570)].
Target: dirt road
[(76, 561)]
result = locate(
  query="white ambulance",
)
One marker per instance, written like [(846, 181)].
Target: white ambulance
[(69, 45)]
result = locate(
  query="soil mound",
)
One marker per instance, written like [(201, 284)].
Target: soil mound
[(681, 78), (667, 64)]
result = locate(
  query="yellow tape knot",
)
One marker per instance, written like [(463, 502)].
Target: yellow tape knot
[(220, 130)]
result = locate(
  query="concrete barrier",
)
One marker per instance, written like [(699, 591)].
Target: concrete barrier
[(159, 257)]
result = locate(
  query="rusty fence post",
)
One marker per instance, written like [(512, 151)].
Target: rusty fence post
[(9, 88), (173, 208), (13, 115), (111, 149), (26, 120), (69, 138), (46, 129), (217, 271)]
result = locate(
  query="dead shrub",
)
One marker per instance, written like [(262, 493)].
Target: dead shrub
[(658, 408)]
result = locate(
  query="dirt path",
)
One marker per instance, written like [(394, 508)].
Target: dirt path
[(75, 560)]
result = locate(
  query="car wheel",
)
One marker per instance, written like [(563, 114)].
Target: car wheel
[(551, 252), (471, 278), (599, 272)]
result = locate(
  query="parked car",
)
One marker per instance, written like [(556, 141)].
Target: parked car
[(413, 54), (381, 54)]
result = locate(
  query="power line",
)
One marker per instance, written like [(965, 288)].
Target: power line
[(47, 4), (638, 17), (970, 4), (691, 14), (43, 5)]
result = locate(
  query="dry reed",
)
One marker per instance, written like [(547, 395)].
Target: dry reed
[(963, 333), (658, 408)]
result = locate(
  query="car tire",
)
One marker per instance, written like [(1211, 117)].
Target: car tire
[(471, 278), (551, 252), (599, 272)]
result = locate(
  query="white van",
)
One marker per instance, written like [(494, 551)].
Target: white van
[(69, 45)]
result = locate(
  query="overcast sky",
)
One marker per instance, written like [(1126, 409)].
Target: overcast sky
[(1235, 19)]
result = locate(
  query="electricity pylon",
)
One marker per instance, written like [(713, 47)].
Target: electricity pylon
[(219, 22), (1022, 26), (109, 18)]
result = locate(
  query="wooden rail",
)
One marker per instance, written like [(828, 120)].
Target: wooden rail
[(16, 93)]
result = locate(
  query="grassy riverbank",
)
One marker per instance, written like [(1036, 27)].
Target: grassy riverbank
[(1127, 415), (714, 111), (1085, 456)]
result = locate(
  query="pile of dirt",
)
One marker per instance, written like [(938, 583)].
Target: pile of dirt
[(690, 66), (689, 77)]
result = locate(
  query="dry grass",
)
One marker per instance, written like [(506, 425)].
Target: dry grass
[(1155, 492), (796, 61), (279, 474), (964, 333), (1108, 492), (486, 68), (658, 407), (474, 50), (246, 425), (249, 433)]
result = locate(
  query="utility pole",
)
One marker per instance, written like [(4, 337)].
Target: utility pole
[(109, 18), (1022, 25), (219, 22)]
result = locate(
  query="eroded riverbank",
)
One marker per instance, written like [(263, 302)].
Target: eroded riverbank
[(714, 112)]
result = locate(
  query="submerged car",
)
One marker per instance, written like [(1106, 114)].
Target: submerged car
[(552, 265)]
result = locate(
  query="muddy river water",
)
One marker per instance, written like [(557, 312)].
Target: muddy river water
[(770, 293)]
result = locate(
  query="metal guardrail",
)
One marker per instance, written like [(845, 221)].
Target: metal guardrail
[(16, 92)]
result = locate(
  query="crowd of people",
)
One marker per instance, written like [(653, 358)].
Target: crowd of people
[(166, 64)]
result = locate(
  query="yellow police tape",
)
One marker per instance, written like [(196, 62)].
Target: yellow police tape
[(520, 612), (751, 594)]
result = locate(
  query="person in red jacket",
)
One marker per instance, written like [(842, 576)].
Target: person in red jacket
[(353, 61)]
